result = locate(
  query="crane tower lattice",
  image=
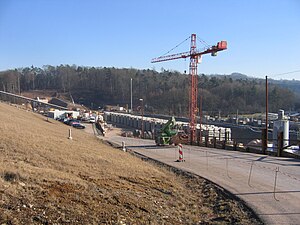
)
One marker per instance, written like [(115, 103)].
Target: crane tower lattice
[(195, 56)]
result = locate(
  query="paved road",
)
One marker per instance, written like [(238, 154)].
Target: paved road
[(231, 170)]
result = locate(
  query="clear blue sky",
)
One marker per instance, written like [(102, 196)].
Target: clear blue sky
[(263, 35)]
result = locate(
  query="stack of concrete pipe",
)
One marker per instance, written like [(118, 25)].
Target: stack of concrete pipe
[(151, 124)]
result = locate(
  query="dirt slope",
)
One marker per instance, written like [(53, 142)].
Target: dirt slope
[(48, 179)]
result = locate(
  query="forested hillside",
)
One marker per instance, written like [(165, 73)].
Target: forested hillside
[(165, 92)]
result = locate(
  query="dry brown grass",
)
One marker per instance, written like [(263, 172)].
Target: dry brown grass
[(48, 179)]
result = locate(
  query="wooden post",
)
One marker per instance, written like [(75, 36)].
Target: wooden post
[(198, 137), (206, 140), (264, 140), (224, 144), (215, 142), (123, 146), (70, 134), (279, 144)]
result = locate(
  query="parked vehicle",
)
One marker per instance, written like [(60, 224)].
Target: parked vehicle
[(73, 122), (92, 119), (61, 119), (70, 121), (78, 125)]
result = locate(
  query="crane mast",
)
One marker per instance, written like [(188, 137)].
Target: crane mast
[(194, 55), (193, 88)]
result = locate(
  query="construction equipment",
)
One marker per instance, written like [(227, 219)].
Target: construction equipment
[(195, 57), (169, 134)]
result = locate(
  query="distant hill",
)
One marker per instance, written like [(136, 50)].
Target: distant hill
[(234, 76), (239, 76), (293, 85)]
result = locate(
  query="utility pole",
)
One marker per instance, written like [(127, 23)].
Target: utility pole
[(130, 95), (142, 122), (19, 85), (267, 112), (200, 110)]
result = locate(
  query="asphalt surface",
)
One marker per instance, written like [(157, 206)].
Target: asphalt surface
[(251, 177)]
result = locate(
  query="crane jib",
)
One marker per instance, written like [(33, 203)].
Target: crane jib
[(222, 45)]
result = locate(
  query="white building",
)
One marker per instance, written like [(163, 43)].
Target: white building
[(56, 114)]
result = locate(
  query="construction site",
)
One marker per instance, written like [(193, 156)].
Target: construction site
[(51, 177), (64, 162)]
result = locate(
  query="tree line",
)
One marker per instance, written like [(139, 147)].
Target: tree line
[(165, 92)]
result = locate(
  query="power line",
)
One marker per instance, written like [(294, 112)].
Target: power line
[(290, 72)]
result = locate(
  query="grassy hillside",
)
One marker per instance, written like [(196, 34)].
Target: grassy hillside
[(45, 178)]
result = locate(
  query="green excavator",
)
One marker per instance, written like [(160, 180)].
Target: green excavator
[(168, 134)]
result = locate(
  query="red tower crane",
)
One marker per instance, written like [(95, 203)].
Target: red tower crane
[(195, 55)]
